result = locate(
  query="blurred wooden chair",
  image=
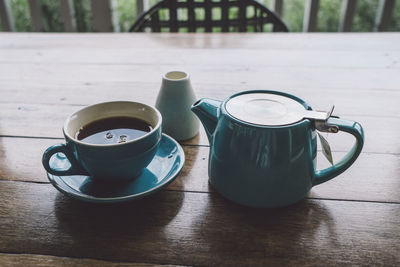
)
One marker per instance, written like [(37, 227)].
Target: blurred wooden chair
[(208, 16)]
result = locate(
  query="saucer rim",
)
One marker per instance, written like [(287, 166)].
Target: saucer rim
[(73, 193)]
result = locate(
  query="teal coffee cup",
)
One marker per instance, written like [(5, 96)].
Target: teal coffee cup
[(263, 146), (121, 160)]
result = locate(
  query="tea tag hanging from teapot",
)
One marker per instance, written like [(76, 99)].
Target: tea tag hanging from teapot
[(326, 149)]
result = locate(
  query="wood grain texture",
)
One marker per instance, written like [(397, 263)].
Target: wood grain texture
[(373, 102), (47, 121), (11, 260), (321, 78), (198, 229), (274, 57), (365, 180), (172, 41), (350, 220)]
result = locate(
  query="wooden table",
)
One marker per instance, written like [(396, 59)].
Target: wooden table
[(352, 219)]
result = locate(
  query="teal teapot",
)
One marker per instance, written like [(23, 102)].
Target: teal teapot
[(263, 146)]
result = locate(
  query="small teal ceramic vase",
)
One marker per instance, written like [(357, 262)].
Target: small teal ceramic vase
[(174, 100), (263, 145)]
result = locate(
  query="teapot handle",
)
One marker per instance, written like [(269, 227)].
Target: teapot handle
[(351, 127)]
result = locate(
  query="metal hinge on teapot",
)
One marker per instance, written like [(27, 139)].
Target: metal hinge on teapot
[(320, 119)]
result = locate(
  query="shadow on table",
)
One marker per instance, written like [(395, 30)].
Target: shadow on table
[(121, 221), (292, 233), (191, 177)]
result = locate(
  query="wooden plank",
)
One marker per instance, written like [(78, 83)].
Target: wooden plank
[(182, 228), (68, 15), (351, 220), (34, 120), (35, 11), (384, 14), (347, 12), (278, 7), (319, 79), (381, 102), (102, 17), (6, 16), (310, 16), (46, 121), (364, 181), (11, 260), (244, 57), (387, 42)]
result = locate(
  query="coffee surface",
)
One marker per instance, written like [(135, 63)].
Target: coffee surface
[(113, 130)]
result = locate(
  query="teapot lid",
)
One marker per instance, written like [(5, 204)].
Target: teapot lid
[(270, 109)]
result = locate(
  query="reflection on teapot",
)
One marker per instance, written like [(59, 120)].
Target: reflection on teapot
[(263, 145)]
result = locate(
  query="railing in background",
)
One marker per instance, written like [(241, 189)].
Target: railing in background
[(384, 14), (7, 19), (102, 15), (104, 20), (278, 7), (346, 15), (310, 16), (36, 15), (68, 15)]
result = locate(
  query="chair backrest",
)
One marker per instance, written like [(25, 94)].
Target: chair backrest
[(208, 16)]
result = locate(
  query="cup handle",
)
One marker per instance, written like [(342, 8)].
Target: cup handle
[(351, 127), (74, 169)]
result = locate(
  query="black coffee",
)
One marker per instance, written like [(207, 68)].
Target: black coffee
[(113, 130)]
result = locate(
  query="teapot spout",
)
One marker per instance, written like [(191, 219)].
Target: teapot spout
[(207, 111)]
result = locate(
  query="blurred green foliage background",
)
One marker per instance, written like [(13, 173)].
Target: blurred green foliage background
[(293, 12)]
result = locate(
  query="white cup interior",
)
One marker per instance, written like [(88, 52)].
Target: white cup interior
[(111, 109)]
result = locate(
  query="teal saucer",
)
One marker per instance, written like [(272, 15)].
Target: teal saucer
[(163, 169)]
